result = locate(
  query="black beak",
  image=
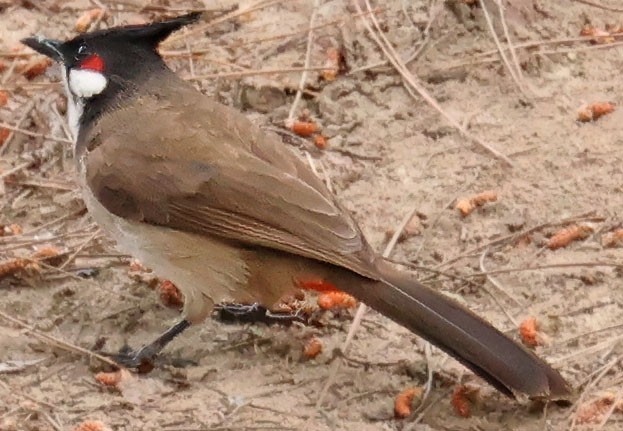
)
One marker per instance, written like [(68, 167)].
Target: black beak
[(47, 47)]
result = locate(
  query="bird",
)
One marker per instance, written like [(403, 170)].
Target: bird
[(196, 191)]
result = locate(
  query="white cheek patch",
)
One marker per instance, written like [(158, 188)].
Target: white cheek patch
[(75, 107), (86, 83)]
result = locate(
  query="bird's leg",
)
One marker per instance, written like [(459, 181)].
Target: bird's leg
[(240, 313), (253, 313), (143, 360)]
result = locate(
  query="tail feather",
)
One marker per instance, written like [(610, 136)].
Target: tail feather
[(504, 363)]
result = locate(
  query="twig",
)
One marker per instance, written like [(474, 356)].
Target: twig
[(9, 72), (29, 107), (191, 62), (584, 335), (509, 42), (481, 58), (4, 240), (303, 31), (303, 80), (15, 169), (599, 5), (498, 44), (582, 217), (550, 266), (34, 134), (252, 72), (591, 349), (582, 397), (499, 287), (261, 4), (615, 405), (433, 12), (410, 79), (80, 247), (57, 342)]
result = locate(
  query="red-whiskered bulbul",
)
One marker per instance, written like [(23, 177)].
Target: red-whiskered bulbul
[(221, 208)]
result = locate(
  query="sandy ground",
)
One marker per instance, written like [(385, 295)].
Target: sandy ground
[(388, 152)]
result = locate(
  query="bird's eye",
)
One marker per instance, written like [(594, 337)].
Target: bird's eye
[(81, 52)]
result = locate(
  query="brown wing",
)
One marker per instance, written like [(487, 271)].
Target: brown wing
[(214, 172)]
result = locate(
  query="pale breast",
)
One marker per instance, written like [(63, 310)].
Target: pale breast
[(206, 270)]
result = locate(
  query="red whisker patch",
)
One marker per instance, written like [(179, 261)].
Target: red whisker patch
[(92, 62)]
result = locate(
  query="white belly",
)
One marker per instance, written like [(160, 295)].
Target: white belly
[(206, 271)]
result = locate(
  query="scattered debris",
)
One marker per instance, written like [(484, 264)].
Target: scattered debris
[(612, 239), (600, 36), (412, 228), (89, 17), (335, 64), (12, 229), (34, 67), (593, 411), (15, 366)]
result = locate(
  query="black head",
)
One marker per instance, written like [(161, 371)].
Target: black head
[(101, 66), (119, 48)]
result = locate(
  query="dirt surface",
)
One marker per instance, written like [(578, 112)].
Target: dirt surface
[(388, 152)]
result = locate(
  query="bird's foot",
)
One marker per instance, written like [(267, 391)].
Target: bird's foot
[(144, 359)]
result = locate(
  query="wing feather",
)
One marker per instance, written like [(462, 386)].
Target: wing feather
[(257, 192)]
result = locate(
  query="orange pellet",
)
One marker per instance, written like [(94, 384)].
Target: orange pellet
[(170, 295), (404, 400), (46, 252), (304, 128), (460, 401), (4, 98), (528, 330), (566, 236), (312, 348), (13, 266), (467, 205), (320, 142), (91, 426), (4, 134), (330, 300), (109, 378)]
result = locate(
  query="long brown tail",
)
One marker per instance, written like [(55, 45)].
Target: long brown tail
[(502, 362)]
